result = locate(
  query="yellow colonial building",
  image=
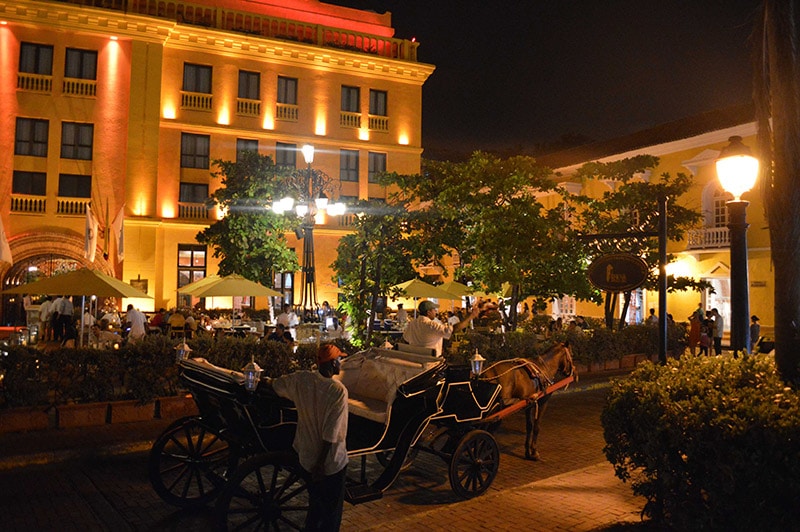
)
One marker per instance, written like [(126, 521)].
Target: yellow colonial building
[(122, 106), (690, 146)]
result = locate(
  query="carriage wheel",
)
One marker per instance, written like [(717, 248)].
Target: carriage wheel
[(267, 492), (474, 464), (189, 464)]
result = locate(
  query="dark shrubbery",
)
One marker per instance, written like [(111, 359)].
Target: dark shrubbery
[(713, 443), (141, 370)]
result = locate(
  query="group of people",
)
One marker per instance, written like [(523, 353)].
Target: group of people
[(705, 331)]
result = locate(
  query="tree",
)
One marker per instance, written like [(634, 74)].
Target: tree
[(370, 260), (250, 239), (488, 211), (630, 208), (777, 92)]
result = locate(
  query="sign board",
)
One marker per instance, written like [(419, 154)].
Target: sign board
[(618, 272), (140, 283)]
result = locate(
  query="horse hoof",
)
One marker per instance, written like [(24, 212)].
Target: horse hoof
[(532, 456)]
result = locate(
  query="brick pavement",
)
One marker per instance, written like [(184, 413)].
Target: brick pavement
[(573, 488)]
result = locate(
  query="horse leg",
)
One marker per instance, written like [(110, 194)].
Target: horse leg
[(531, 428), (533, 415)]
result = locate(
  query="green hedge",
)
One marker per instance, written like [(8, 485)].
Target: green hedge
[(713, 443), (141, 370)]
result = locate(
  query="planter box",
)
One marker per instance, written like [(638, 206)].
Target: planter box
[(611, 364), (24, 419), (129, 411), (175, 407), (581, 368), (83, 415), (595, 367), (628, 361), (641, 358)]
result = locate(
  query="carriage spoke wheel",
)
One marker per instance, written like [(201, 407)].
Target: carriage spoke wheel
[(474, 464), (189, 464), (267, 492)]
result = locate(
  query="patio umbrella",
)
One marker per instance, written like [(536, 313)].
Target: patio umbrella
[(82, 282), (228, 286), (416, 289), (457, 289)]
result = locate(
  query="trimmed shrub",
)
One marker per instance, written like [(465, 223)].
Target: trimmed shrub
[(712, 443), (23, 383)]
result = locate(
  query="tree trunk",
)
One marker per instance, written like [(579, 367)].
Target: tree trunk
[(511, 322), (777, 94)]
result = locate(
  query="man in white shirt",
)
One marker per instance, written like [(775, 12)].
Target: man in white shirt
[(138, 323), (320, 439), (402, 316), (427, 331)]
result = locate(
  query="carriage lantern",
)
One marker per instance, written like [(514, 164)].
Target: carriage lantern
[(252, 373), (476, 363), (182, 351)]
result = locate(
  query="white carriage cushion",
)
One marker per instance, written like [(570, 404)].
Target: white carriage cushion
[(376, 385), (368, 408)]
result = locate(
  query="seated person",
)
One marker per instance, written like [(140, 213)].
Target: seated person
[(103, 338), (176, 321), (158, 319), (280, 334)]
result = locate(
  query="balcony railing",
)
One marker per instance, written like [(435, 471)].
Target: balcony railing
[(196, 101), (378, 123), (708, 238), (72, 206), (287, 112), (86, 88), (348, 119), (245, 107), (24, 203), (193, 211), (34, 82)]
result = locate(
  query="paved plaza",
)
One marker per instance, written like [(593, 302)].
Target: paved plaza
[(96, 479)]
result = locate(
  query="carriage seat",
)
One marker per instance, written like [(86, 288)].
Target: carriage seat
[(372, 379), (206, 368)]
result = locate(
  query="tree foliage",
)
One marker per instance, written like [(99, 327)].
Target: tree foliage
[(250, 239), (631, 209), (370, 260)]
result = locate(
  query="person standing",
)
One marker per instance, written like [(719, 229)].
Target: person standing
[(719, 327), (426, 331), (652, 319), (694, 332), (320, 439), (45, 310), (137, 322), (401, 317), (755, 332), (66, 320)]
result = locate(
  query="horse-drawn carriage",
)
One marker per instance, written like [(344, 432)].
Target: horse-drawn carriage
[(238, 450)]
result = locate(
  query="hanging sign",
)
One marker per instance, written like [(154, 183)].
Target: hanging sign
[(618, 272)]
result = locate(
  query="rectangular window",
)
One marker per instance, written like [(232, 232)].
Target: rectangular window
[(80, 64), (31, 137), (377, 103), (76, 141), (74, 186), (351, 99), (195, 150), (36, 59), (377, 166), (287, 90), (193, 193), (286, 154), (33, 183), (245, 145), (249, 85), (348, 165), (191, 268), (196, 78)]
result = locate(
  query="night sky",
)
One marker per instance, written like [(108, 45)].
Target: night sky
[(514, 74)]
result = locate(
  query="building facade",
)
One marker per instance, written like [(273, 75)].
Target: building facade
[(122, 106), (691, 147)]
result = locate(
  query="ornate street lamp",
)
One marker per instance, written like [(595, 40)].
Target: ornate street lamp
[(737, 170), (312, 198)]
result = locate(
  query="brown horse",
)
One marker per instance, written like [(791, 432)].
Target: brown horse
[(521, 378)]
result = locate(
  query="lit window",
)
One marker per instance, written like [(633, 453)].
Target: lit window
[(351, 99), (191, 268), (377, 103), (193, 193), (287, 90)]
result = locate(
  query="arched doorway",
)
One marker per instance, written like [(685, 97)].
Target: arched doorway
[(36, 256)]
